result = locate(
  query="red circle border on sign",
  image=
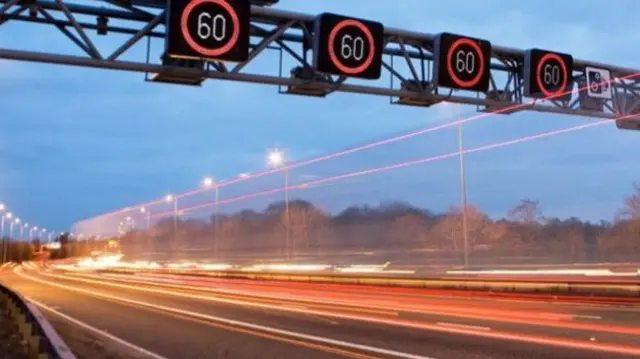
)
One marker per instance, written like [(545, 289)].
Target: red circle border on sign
[(332, 54), (563, 66), (203, 50), (474, 81)]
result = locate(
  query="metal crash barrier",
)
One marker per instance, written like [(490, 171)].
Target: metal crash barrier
[(42, 341)]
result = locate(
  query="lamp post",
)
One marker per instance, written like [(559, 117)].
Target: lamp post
[(146, 211), (276, 159), (171, 198), (4, 248), (15, 221), (463, 188), (8, 216), (209, 182), (2, 208)]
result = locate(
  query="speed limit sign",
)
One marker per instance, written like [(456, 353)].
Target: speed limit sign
[(548, 74), (209, 29), (462, 62), (348, 46)]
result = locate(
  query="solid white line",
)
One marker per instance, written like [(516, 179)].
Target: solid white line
[(97, 331), (464, 326), (596, 317), (232, 322)]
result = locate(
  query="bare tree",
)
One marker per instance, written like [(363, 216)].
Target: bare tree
[(621, 242), (408, 229), (631, 208), (308, 226), (449, 228), (527, 211), (228, 232), (525, 235)]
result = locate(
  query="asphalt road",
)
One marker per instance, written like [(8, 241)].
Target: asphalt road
[(177, 318)]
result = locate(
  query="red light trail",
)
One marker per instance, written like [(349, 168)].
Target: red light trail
[(350, 150), (398, 165)]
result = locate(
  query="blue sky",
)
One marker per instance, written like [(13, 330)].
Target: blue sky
[(78, 142)]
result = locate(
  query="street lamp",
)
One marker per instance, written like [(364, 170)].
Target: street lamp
[(276, 159), (463, 187), (2, 208), (4, 240), (144, 210), (7, 215), (171, 198), (15, 221), (208, 182), (24, 225)]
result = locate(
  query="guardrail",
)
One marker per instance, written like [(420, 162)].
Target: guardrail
[(578, 287), (43, 342)]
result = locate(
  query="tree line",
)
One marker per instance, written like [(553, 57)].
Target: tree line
[(14, 250), (397, 231), (390, 231)]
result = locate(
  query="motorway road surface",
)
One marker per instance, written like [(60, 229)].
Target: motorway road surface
[(177, 317)]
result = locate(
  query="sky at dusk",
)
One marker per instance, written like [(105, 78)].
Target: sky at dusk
[(77, 142)]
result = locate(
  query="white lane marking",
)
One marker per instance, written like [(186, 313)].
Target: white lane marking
[(237, 323), (615, 348), (97, 331), (295, 306), (555, 316), (287, 307), (596, 317), (463, 326)]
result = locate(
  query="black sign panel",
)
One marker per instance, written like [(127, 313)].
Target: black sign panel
[(462, 62), (209, 29), (348, 46), (547, 74)]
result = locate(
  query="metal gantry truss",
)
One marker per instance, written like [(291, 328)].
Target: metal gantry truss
[(407, 58)]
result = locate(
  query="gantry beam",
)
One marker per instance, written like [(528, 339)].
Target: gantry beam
[(407, 59)]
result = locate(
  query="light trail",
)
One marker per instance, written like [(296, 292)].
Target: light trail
[(368, 304), (394, 322), (231, 322), (396, 165), (347, 151)]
